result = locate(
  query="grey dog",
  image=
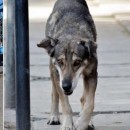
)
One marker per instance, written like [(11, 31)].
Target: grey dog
[(71, 44)]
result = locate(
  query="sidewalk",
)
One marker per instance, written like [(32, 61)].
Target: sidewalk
[(112, 105)]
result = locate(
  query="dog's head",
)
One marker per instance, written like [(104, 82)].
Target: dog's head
[(70, 59)]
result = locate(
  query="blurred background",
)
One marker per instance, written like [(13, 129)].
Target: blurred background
[(112, 103), (1, 63)]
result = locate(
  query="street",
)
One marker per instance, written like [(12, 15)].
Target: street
[(112, 101)]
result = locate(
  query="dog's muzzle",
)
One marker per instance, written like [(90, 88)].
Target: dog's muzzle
[(67, 85)]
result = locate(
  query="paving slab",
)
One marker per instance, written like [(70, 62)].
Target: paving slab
[(112, 94), (109, 7), (124, 20), (110, 122), (101, 121)]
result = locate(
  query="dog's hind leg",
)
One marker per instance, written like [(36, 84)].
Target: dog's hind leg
[(83, 99), (54, 119), (85, 93), (85, 116)]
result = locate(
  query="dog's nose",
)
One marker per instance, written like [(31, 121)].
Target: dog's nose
[(66, 85)]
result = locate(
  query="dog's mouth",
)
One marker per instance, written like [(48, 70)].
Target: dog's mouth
[(68, 93)]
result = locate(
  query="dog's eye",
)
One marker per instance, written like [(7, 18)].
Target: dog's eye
[(77, 63), (60, 62)]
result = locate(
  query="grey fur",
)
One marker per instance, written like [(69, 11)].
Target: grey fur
[(73, 18), (71, 42)]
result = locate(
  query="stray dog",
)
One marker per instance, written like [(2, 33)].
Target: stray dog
[(71, 44)]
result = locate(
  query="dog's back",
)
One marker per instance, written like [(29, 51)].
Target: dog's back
[(70, 17), (71, 44)]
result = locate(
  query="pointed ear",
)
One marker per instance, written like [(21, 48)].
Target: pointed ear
[(91, 47), (48, 44)]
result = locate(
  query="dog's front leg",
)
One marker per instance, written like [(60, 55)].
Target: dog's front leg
[(67, 111), (85, 117), (54, 118)]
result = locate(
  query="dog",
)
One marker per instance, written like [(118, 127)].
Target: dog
[(71, 45)]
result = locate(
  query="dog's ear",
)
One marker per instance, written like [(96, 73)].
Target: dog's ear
[(49, 45), (91, 47)]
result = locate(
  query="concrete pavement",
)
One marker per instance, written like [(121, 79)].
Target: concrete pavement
[(112, 105)]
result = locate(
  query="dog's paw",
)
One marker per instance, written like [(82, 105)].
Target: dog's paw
[(54, 120), (67, 123), (67, 128), (83, 124), (90, 127)]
